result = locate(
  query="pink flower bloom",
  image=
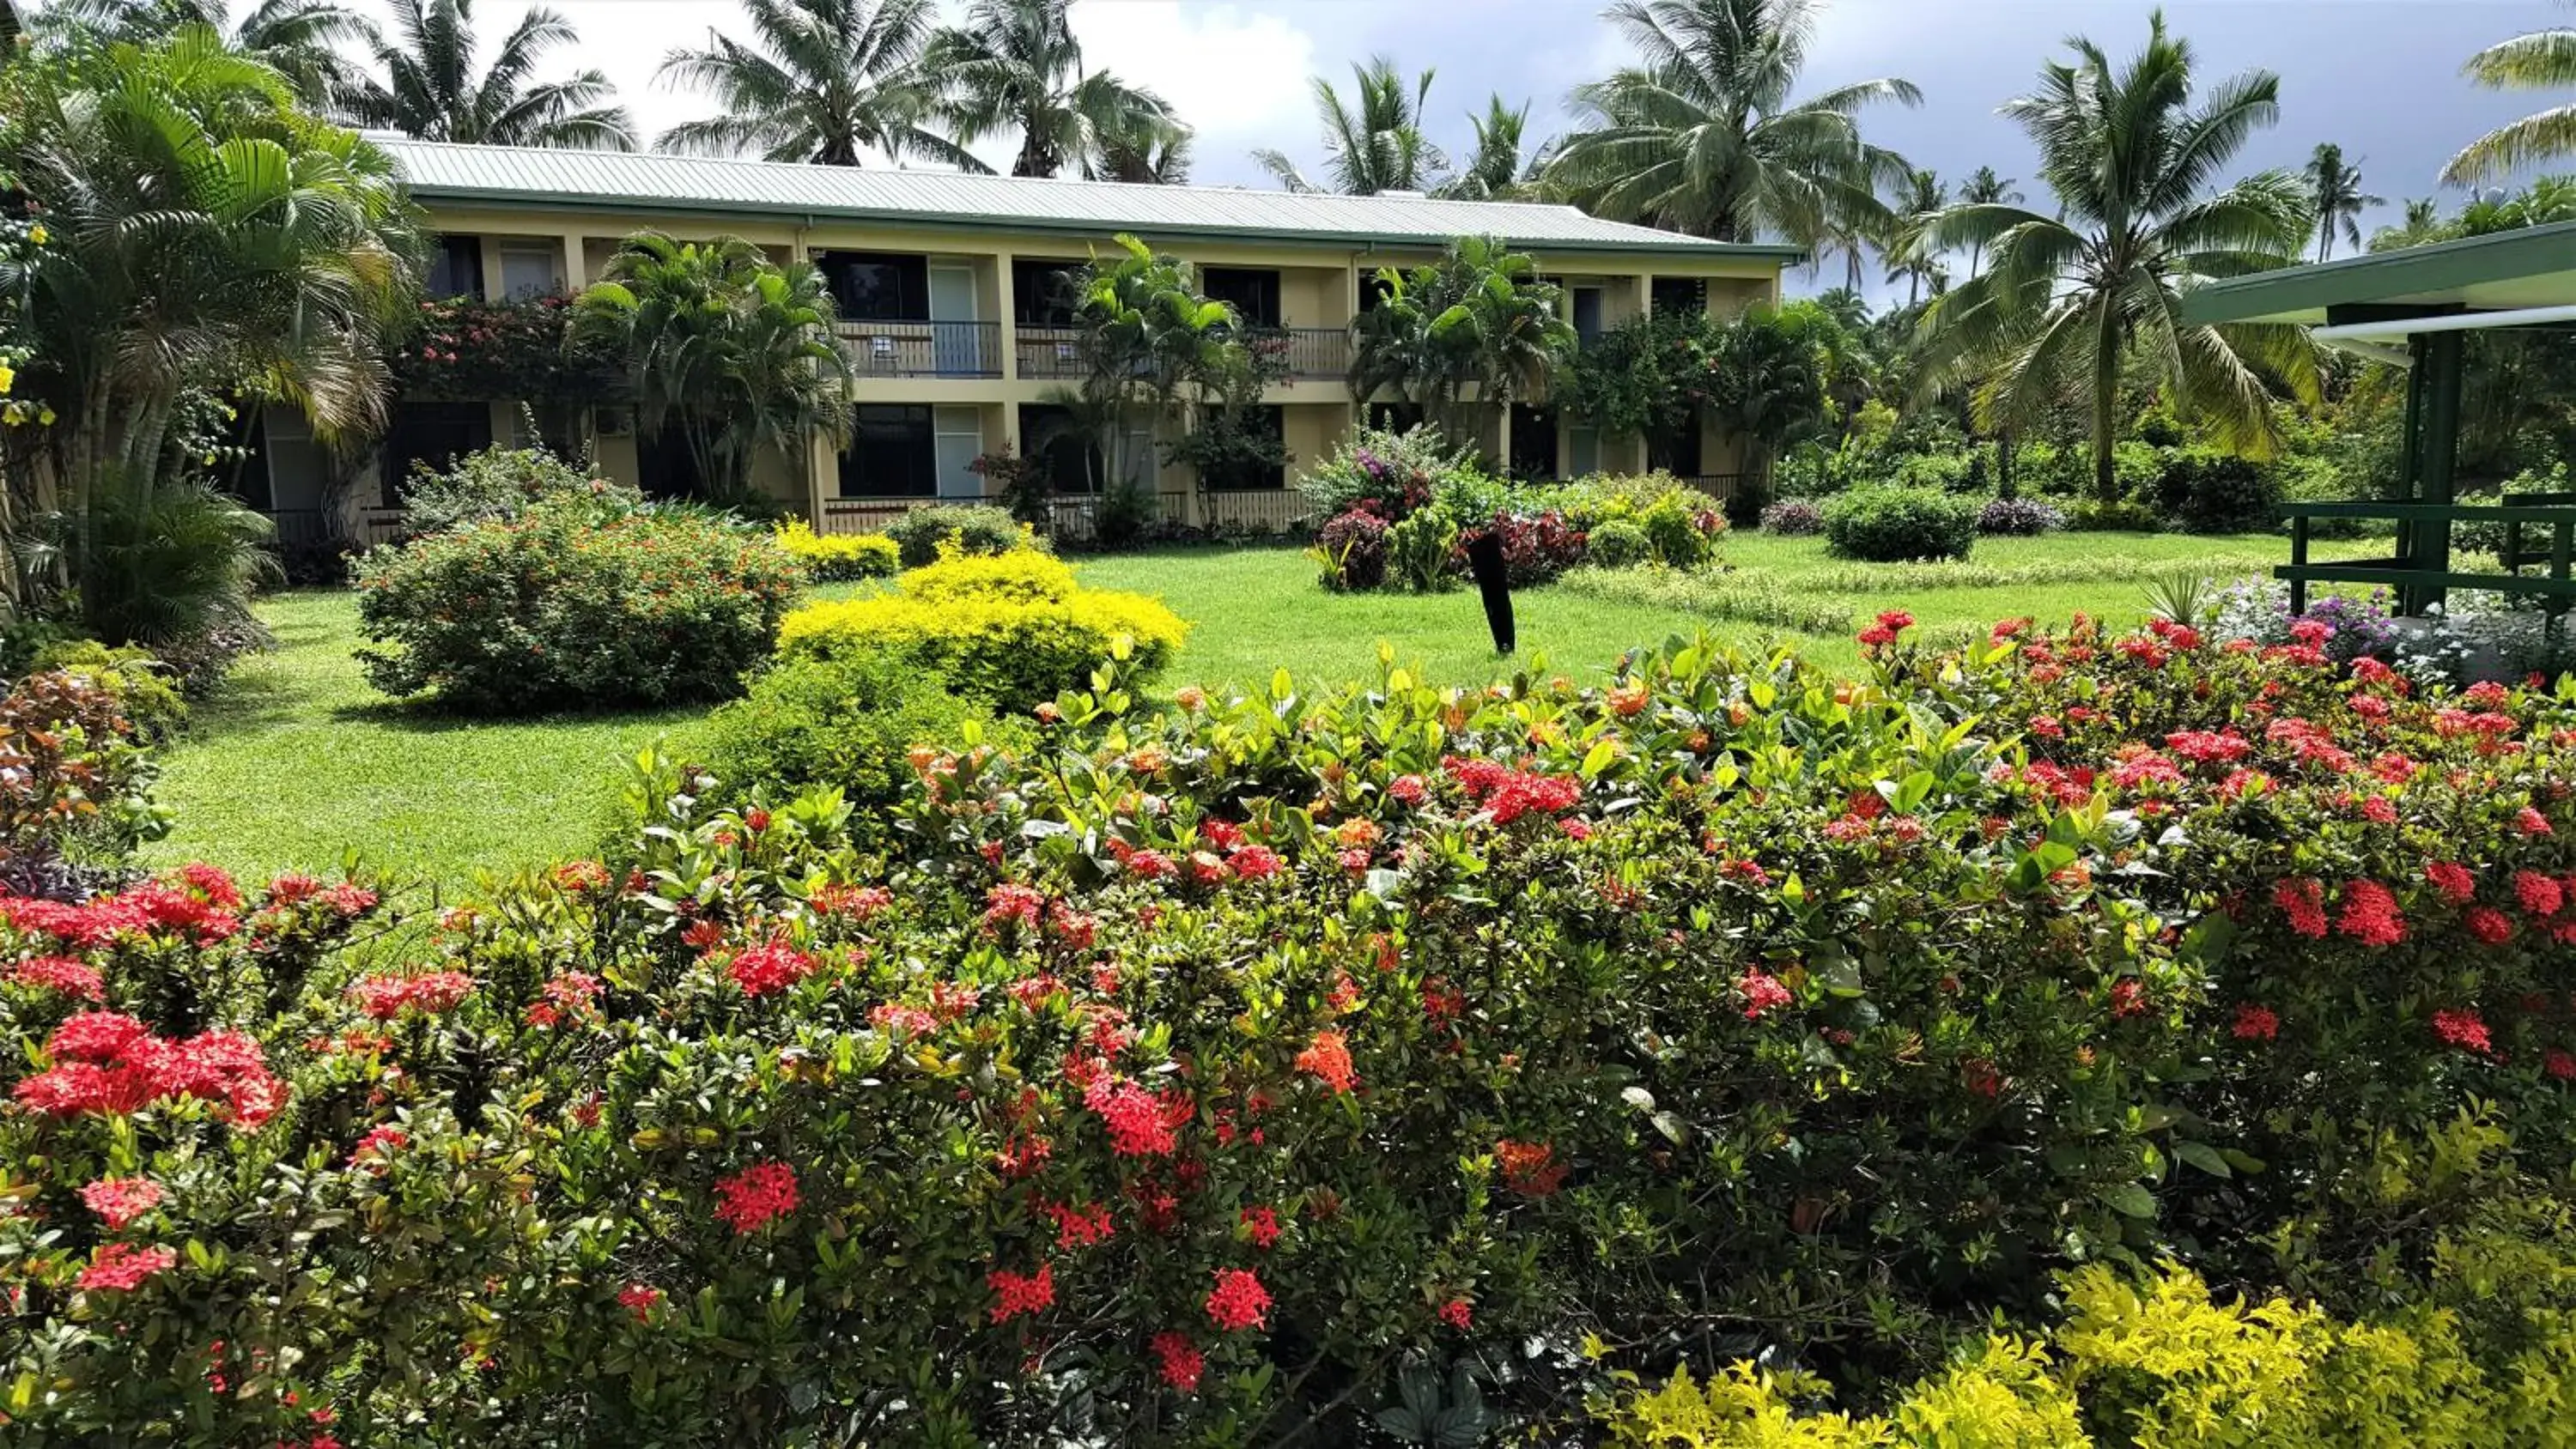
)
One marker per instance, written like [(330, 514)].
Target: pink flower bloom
[(120, 1200), (123, 1267)]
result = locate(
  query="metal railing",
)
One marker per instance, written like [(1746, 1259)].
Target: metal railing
[(1720, 486), (1254, 510), (924, 348), (867, 515), (313, 527), (1047, 351), (2421, 572), (1307, 353)]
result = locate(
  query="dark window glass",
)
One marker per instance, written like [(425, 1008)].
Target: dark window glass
[(1268, 422), (1042, 292), (1394, 417), (1533, 441), (1680, 294), (455, 267), (1073, 463), (869, 287), (1675, 452), (1373, 290), (1587, 312), (1252, 292), (431, 435), (891, 454)]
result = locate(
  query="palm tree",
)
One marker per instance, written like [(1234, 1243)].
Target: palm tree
[(2336, 198), (826, 81), (430, 88), (2541, 60), (1015, 66), (1909, 250), (733, 349), (1461, 338), (207, 233), (1375, 143), (1702, 136), (2422, 223), (2069, 299), (1159, 158), (302, 39), (1984, 188), (1494, 171)]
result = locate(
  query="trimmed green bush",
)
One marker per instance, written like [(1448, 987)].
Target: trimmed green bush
[(2206, 491), (495, 485), (1893, 525), (920, 534), (846, 722), (1619, 543), (577, 603)]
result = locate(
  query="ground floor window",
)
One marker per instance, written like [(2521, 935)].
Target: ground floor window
[(1675, 452), (431, 436), (893, 453), (1069, 457), (1258, 425), (1533, 441)]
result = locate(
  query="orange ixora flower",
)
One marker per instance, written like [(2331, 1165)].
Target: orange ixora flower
[(1328, 1060)]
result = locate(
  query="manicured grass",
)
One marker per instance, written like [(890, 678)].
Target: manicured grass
[(297, 761)]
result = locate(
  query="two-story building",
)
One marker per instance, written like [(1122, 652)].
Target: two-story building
[(951, 303)]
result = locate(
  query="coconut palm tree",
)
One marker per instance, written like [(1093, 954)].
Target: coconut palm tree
[(1160, 156), (1373, 143), (1702, 135), (1910, 253), (2421, 223), (302, 39), (2068, 300), (1015, 66), (2541, 60), (1461, 338), (826, 81), (2336, 198), (430, 87), (207, 233), (1494, 170), (1984, 188), (733, 349)]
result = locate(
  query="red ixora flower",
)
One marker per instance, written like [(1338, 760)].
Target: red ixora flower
[(771, 966), (2255, 1023), (1459, 1314), (2304, 902), (431, 992), (1762, 992), (2370, 914), (755, 1195), (123, 1267), (1238, 1301), (1328, 1060), (2489, 925), (1530, 1168), (2465, 1030), (375, 1150), (2561, 1066), (60, 974), (1261, 1224), (640, 1299), (1182, 1364), (2453, 880), (2539, 894), (120, 1200), (1016, 1294)]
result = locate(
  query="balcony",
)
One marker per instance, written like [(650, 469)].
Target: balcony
[(1048, 351), (924, 348), (1312, 354)]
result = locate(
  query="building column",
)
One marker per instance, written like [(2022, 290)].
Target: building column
[(1006, 329), (576, 264)]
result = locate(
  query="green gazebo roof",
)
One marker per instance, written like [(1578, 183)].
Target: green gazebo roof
[(2508, 271)]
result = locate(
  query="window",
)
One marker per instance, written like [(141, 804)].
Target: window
[(1042, 292), (892, 453), (431, 436), (1675, 452), (455, 267), (1051, 438), (1252, 292), (1587, 312), (528, 271), (1259, 421), (875, 288), (1533, 441), (1373, 290), (1682, 295)]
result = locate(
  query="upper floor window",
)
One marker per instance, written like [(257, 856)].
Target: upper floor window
[(1587, 312), (877, 287), (1042, 291), (1253, 292), (455, 267), (529, 271)]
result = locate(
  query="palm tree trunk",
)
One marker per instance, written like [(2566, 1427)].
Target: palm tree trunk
[(2106, 402)]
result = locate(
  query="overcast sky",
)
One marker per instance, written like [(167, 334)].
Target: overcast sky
[(2379, 77)]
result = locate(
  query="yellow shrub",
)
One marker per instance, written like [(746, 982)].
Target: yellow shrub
[(837, 556), (1018, 651), (2002, 1397), (1023, 574), (1743, 1408)]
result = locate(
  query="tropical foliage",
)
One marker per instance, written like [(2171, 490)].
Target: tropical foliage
[(1703, 134), (1374, 141), (733, 350), (2540, 60), (1161, 360), (827, 81), (2066, 300), (1015, 66), (1459, 339), (306, 41), (431, 86)]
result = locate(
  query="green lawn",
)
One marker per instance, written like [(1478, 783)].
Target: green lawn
[(297, 761)]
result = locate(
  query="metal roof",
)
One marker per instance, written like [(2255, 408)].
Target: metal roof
[(441, 171), (2504, 271)]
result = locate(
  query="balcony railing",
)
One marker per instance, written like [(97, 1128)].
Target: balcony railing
[(1312, 354), (1047, 351), (313, 527), (1254, 510), (924, 349)]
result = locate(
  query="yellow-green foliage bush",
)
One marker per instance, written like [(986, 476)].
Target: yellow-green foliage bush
[(834, 557), (2163, 1364), (1016, 627)]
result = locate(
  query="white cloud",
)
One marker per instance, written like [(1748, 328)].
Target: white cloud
[(1239, 76)]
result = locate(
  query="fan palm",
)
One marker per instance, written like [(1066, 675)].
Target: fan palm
[(1373, 143), (828, 81), (735, 350), (207, 233), (1015, 66), (300, 38), (1494, 170), (2541, 60), (2068, 299), (2336, 198), (430, 88), (1703, 137), (1984, 188)]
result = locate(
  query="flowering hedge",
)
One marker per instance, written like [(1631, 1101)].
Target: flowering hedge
[(1200, 1076)]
